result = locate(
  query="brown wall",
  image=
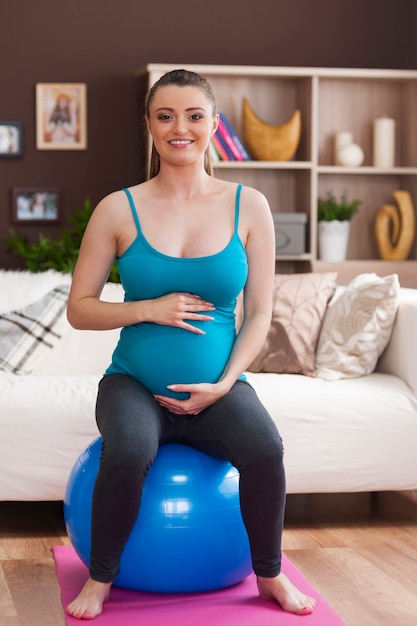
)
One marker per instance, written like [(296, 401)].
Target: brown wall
[(103, 42)]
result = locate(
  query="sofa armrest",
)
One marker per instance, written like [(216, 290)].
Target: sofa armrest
[(400, 356)]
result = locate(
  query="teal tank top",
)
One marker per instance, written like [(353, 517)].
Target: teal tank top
[(157, 355)]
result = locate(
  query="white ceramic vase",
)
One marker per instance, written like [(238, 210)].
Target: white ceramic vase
[(346, 152), (333, 240), (351, 155)]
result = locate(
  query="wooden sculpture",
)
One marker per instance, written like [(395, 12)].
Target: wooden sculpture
[(395, 228), (270, 143)]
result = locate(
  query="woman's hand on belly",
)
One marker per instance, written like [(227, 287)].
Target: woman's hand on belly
[(201, 396), (174, 309)]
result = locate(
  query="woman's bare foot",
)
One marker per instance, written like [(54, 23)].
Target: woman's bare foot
[(286, 594), (89, 603)]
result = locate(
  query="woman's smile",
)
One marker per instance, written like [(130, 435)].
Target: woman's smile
[(180, 142)]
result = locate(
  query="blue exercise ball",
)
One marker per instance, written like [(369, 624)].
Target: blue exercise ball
[(189, 535)]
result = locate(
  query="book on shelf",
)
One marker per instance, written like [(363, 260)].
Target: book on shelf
[(228, 142), (220, 149), (226, 147), (215, 157), (244, 155)]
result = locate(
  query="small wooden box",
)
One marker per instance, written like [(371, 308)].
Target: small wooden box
[(290, 232)]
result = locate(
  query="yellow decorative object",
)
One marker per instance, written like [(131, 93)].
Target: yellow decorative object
[(270, 143), (395, 228)]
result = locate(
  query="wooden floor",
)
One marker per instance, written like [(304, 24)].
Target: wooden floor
[(363, 561)]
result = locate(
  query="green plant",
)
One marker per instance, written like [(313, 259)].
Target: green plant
[(59, 254), (329, 208)]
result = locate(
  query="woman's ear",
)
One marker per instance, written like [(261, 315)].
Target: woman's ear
[(215, 124)]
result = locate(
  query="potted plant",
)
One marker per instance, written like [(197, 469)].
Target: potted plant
[(334, 218), (59, 254)]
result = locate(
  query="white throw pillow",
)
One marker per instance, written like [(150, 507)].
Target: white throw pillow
[(357, 327), (27, 335)]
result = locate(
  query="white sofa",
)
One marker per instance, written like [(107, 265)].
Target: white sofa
[(358, 434)]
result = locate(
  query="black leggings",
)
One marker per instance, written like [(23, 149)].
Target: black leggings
[(236, 428)]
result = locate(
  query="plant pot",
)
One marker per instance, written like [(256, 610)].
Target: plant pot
[(333, 240)]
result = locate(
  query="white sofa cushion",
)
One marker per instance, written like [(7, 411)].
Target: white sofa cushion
[(349, 435), (357, 327), (45, 423)]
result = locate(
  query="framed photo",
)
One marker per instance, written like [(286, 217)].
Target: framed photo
[(61, 116), (11, 139), (35, 205)]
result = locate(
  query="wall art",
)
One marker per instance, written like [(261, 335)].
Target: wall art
[(35, 205), (11, 139), (61, 116)]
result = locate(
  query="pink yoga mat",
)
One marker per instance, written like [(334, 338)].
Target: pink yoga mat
[(236, 606)]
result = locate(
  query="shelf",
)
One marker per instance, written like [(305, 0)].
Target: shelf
[(321, 169), (294, 257), (264, 165), (367, 170)]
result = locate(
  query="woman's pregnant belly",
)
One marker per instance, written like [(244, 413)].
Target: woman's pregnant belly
[(158, 356)]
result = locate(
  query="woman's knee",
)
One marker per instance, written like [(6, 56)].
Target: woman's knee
[(267, 449), (249, 429), (133, 454)]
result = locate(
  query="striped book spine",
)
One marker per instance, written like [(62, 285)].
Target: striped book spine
[(235, 138)]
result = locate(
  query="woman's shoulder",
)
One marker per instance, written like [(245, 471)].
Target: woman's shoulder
[(252, 194), (111, 211), (248, 195), (117, 200), (253, 202), (119, 195), (110, 199)]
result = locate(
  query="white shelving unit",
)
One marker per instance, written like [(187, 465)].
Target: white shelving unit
[(330, 100)]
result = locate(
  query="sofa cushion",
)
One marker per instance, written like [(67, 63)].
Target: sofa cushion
[(357, 327), (45, 422), (20, 288), (27, 335), (299, 303), (355, 434)]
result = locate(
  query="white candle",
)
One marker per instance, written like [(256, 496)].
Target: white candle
[(341, 140), (384, 142)]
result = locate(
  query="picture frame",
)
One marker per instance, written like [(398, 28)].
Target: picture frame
[(11, 139), (36, 205), (61, 116)]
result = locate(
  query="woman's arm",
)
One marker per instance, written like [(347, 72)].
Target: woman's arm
[(97, 254), (257, 297), (99, 248)]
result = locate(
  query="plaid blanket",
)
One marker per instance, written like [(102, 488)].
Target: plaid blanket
[(27, 335)]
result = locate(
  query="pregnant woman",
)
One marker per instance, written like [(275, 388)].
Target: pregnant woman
[(187, 244)]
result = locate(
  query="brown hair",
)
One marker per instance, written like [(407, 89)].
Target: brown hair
[(179, 78)]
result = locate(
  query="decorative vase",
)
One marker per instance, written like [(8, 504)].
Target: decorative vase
[(347, 153), (266, 142), (333, 240), (351, 155), (341, 139)]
